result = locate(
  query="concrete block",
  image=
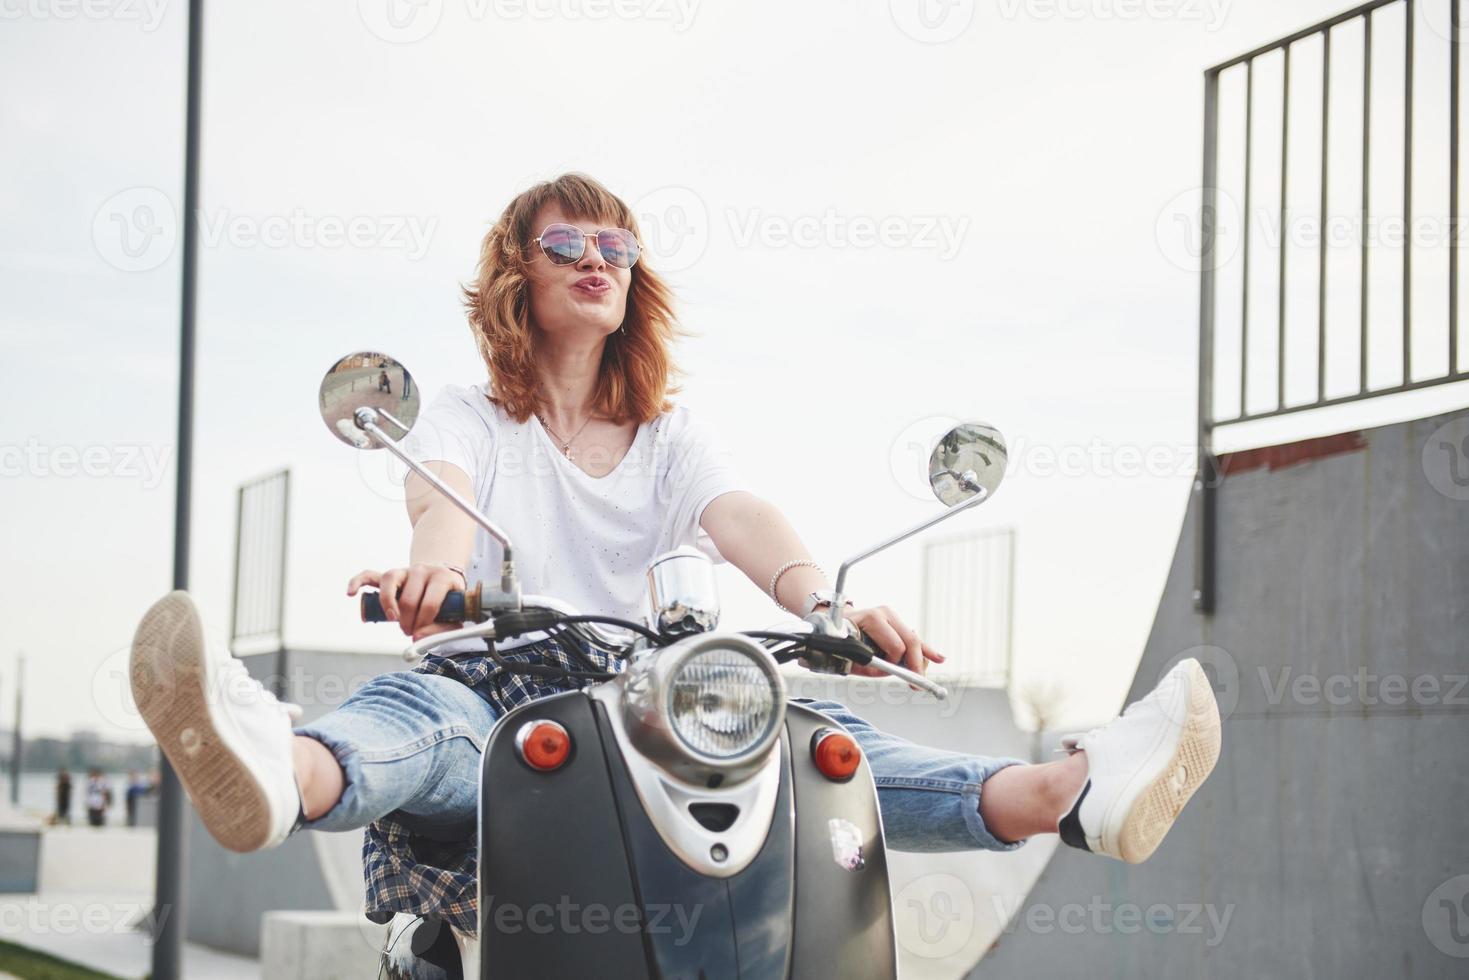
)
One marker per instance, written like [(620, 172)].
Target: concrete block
[(296, 945), (20, 860)]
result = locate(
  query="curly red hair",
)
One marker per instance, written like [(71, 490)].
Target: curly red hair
[(637, 370)]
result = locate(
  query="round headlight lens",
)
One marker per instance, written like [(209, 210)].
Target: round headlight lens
[(722, 702)]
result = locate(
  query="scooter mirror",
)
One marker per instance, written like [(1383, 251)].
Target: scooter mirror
[(368, 379), (975, 448)]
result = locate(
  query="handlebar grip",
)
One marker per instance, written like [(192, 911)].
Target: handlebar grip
[(451, 610)]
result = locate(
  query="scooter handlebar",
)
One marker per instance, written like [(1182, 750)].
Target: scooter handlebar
[(451, 610)]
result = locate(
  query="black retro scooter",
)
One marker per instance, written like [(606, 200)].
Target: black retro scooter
[(679, 818)]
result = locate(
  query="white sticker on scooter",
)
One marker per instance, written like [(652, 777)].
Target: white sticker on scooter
[(846, 844)]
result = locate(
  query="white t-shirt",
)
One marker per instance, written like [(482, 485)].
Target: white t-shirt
[(583, 539)]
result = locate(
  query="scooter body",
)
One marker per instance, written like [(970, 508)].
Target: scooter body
[(678, 818)]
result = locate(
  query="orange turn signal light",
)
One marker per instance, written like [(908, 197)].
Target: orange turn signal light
[(543, 745), (836, 754)]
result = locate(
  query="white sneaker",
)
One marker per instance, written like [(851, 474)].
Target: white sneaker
[(1143, 767), (228, 738)]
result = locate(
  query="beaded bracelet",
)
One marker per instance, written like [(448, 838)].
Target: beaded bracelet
[(785, 568)]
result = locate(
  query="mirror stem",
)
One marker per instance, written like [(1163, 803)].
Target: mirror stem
[(366, 419), (967, 479)]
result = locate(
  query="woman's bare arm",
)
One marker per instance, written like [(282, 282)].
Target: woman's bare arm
[(442, 534), (754, 536)]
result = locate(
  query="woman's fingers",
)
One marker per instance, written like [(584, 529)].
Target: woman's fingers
[(365, 577), (931, 654), (410, 599), (434, 591), (887, 639), (911, 655), (388, 586)]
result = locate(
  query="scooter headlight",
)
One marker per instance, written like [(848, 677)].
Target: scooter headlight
[(723, 702)]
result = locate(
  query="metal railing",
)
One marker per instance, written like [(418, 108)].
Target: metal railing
[(1208, 472), (968, 590)]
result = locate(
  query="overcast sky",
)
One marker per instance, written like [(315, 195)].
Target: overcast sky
[(876, 214)]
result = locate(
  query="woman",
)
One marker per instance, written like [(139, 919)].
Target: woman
[(576, 452)]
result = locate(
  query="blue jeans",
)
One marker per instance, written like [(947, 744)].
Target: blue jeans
[(410, 744)]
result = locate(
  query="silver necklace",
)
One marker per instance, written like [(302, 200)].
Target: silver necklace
[(565, 443)]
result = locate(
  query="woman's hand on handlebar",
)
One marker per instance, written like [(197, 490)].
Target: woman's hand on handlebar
[(411, 596), (895, 641)]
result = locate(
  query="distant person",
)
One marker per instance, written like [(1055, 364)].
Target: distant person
[(63, 798), (383, 384), (137, 789), (406, 383), (99, 798)]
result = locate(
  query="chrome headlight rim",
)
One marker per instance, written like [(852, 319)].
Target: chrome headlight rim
[(759, 657)]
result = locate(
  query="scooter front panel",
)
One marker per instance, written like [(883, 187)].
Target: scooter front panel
[(556, 891)]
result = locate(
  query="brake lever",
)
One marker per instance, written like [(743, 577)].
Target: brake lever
[(821, 626), (912, 677)]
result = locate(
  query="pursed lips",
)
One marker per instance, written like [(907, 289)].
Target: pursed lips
[(592, 285)]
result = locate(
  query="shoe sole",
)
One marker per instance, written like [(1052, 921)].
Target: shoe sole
[(1158, 805), (170, 685)]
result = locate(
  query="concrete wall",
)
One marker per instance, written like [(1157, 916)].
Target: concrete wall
[(1331, 840)]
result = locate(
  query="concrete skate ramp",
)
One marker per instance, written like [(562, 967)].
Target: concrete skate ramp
[(1333, 838)]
